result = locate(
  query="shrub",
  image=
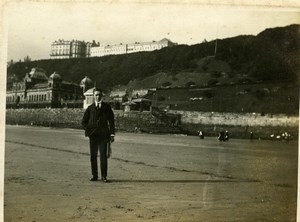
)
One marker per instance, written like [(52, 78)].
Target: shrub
[(190, 83), (212, 82), (165, 84)]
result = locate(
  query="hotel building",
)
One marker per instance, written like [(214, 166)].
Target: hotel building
[(130, 48), (62, 49)]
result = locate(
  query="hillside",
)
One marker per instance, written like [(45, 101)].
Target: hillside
[(271, 55), (260, 98)]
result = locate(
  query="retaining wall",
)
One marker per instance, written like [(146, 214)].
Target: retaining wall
[(239, 125), (71, 118)]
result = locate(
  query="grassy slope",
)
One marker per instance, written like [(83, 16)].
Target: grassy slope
[(260, 98)]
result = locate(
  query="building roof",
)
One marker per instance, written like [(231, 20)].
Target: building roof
[(89, 92), (86, 81), (38, 73), (165, 40), (40, 86), (129, 103), (133, 44), (55, 76), (139, 100)]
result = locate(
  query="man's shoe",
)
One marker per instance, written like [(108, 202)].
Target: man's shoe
[(104, 179), (94, 179)]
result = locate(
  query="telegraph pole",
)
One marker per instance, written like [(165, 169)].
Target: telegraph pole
[(216, 45)]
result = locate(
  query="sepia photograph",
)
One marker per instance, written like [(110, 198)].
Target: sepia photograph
[(149, 111)]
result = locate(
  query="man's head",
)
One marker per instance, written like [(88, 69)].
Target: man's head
[(97, 94)]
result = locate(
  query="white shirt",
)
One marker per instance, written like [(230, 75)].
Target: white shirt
[(96, 103)]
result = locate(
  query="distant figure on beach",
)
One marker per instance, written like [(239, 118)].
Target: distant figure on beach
[(251, 135), (201, 134), (286, 136), (226, 135), (221, 136), (99, 124), (136, 129)]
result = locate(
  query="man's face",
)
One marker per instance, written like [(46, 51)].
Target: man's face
[(97, 96)]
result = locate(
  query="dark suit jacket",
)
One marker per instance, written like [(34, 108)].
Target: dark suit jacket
[(99, 122)]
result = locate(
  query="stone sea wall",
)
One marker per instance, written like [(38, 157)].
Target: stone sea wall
[(239, 125), (237, 119), (71, 118)]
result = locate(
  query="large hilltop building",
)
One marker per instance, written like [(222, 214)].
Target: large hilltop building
[(62, 49), (130, 48), (39, 91)]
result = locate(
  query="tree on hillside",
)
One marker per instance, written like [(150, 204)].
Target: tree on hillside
[(190, 83), (166, 84), (27, 59)]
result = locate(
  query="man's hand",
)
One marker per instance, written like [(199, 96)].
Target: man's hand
[(112, 138)]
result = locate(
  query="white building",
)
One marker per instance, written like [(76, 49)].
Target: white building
[(88, 98), (64, 49), (118, 93), (137, 93), (130, 48)]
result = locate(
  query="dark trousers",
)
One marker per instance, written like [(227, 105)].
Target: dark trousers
[(98, 144)]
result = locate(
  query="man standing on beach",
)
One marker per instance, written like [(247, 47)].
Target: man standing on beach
[(98, 122)]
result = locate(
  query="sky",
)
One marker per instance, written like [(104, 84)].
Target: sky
[(33, 26)]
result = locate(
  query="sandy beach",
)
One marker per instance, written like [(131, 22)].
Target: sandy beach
[(152, 178)]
